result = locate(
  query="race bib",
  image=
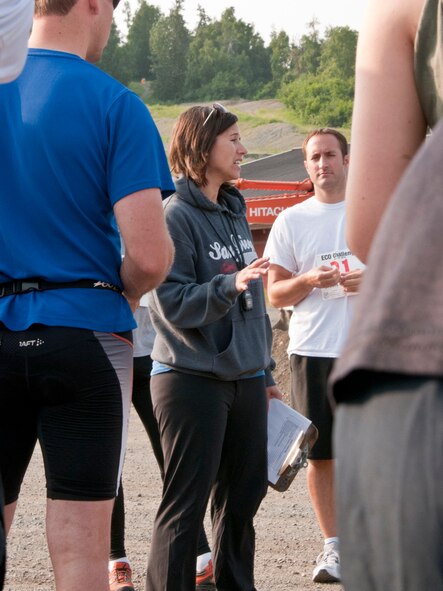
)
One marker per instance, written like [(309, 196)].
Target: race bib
[(345, 261)]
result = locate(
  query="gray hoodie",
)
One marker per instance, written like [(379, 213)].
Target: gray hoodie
[(201, 324)]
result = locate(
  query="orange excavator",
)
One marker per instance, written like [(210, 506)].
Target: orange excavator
[(262, 211)]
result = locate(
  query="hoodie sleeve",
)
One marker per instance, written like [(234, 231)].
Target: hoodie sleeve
[(186, 303)]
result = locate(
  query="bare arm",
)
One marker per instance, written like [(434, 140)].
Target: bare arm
[(286, 289), (148, 247), (388, 123)]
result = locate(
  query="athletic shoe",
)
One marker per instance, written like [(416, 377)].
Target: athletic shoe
[(120, 577), (328, 567), (204, 579)]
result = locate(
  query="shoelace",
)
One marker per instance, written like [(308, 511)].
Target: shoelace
[(122, 575), (329, 556)]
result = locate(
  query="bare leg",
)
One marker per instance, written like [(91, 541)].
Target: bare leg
[(9, 511), (320, 478), (78, 535)]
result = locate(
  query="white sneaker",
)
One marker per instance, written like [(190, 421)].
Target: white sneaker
[(328, 567)]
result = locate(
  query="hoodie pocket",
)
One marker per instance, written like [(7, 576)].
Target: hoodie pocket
[(248, 350)]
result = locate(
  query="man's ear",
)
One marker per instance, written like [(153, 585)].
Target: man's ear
[(94, 6), (346, 159)]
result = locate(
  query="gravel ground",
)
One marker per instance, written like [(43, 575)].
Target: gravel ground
[(288, 538)]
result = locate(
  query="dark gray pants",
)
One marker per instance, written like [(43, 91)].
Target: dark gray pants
[(141, 399), (389, 449), (213, 436)]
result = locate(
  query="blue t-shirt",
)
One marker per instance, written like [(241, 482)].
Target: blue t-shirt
[(81, 142)]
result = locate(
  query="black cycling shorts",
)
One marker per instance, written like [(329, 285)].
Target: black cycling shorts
[(70, 389), (309, 385)]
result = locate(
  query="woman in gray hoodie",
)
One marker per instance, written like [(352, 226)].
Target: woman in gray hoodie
[(211, 356)]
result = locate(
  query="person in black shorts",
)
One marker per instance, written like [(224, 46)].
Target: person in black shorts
[(313, 270), (84, 152)]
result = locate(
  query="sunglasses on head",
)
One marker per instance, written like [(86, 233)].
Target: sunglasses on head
[(215, 107)]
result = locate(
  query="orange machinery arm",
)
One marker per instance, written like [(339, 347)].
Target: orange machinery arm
[(304, 186)]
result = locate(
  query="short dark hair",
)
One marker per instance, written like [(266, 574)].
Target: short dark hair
[(327, 131), (192, 138)]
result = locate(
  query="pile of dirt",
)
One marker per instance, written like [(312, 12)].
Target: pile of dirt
[(261, 139)]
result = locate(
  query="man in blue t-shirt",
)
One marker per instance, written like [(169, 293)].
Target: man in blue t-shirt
[(15, 24), (84, 154)]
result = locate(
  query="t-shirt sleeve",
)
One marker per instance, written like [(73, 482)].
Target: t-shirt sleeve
[(136, 156), (15, 25), (279, 247)]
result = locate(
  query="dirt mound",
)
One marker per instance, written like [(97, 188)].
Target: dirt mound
[(260, 138), (270, 138)]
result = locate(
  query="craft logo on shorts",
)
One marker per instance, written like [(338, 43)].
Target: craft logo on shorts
[(31, 343)]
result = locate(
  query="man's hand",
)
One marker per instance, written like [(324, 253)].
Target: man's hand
[(351, 281), (323, 277), (288, 289)]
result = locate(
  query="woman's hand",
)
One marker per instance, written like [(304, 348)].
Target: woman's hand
[(256, 269), (273, 392)]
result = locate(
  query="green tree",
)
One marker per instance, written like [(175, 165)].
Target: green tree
[(320, 100), (112, 61), (169, 45), (127, 11), (322, 86), (306, 54), (137, 50), (226, 59), (337, 57), (280, 59), (203, 18)]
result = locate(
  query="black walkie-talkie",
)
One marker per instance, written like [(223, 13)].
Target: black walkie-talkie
[(247, 301)]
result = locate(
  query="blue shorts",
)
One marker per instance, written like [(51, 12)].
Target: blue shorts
[(70, 389)]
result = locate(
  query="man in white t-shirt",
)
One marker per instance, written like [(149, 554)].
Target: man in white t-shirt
[(15, 27), (313, 270)]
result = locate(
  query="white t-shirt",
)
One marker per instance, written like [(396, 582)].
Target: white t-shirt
[(144, 335), (299, 236), (15, 27)]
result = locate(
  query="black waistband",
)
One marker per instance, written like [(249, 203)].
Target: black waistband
[(36, 284)]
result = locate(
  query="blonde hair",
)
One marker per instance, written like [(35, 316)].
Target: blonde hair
[(49, 7)]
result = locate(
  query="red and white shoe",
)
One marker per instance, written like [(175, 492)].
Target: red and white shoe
[(204, 579), (120, 577)]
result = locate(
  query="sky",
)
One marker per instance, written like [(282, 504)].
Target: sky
[(291, 16)]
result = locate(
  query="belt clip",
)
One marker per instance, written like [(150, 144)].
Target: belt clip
[(26, 286)]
